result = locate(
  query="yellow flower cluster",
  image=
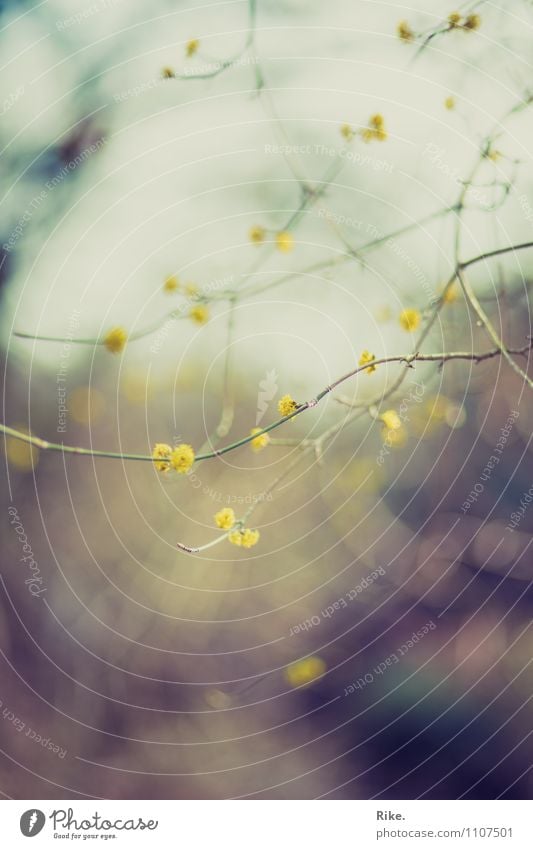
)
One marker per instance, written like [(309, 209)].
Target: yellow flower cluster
[(225, 518), (449, 102), (161, 454), (367, 357), (393, 433), (287, 405), (199, 314), (259, 442), (191, 47), (471, 22), (284, 241), (179, 458), (182, 458), (347, 132), (376, 129), (410, 319), (391, 420), (257, 235), (245, 537), (115, 340), (404, 31), (171, 284)]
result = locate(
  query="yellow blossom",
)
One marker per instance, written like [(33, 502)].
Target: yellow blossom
[(367, 357), (454, 19), (167, 73), (191, 289), (171, 283), (410, 319), (115, 340), (287, 405), (391, 420), (494, 155), (247, 538), (284, 241), (182, 458), (259, 442), (257, 234), (393, 433), (225, 518), (191, 47), (449, 102), (161, 455), (404, 31), (376, 129), (472, 22), (347, 132), (199, 314), (235, 537), (305, 671)]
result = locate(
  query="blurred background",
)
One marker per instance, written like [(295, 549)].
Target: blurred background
[(376, 642)]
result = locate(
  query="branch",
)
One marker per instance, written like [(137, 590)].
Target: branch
[(407, 359)]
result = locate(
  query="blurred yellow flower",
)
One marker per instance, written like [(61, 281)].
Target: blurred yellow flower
[(199, 314), (451, 294), (383, 313), (347, 132), (287, 405), (410, 319), (257, 235), (367, 357), (404, 31), (161, 454), (22, 455), (85, 405), (136, 386), (171, 284), (376, 129), (284, 241), (395, 438), (182, 458), (391, 419), (115, 340), (449, 102), (167, 73), (305, 671), (191, 47), (472, 22), (454, 19), (225, 518), (259, 442), (217, 699)]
